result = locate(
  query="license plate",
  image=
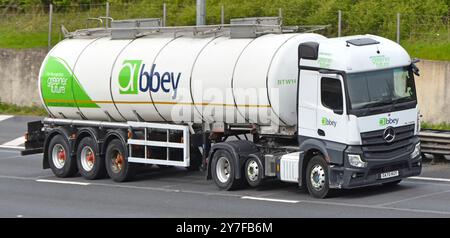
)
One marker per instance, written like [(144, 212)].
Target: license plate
[(389, 174)]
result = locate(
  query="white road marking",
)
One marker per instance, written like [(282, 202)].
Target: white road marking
[(270, 199), (317, 202), (4, 117), (12, 147), (14, 144), (430, 179), (413, 198), (62, 182)]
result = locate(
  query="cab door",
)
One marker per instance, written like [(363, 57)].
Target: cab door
[(331, 109), (307, 103)]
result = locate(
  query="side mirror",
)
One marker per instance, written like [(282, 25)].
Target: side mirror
[(338, 111), (308, 51), (415, 70)]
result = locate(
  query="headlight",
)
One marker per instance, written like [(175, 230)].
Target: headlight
[(416, 151), (356, 161)]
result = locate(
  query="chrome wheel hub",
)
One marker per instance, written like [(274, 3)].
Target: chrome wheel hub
[(317, 177)]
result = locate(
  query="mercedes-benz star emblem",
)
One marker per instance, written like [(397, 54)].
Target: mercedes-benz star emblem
[(389, 134)]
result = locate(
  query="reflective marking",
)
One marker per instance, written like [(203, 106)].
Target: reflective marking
[(270, 199), (16, 142), (4, 117), (61, 182), (12, 147), (430, 179)]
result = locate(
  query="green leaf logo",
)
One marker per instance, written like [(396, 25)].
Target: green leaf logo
[(324, 121), (382, 121), (128, 76)]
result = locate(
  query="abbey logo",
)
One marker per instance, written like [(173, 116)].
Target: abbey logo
[(388, 121), (328, 122), (380, 61), (135, 76)]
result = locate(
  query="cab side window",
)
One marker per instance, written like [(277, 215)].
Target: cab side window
[(331, 91)]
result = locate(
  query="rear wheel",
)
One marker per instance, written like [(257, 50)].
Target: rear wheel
[(117, 165), (90, 165), (223, 171), (317, 177), (60, 161)]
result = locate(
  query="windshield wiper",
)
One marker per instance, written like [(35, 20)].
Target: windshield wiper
[(401, 100)]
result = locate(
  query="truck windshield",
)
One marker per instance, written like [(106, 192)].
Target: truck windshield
[(380, 88)]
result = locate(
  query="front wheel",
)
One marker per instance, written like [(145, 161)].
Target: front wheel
[(317, 177)]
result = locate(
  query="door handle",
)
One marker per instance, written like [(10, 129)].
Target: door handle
[(321, 132)]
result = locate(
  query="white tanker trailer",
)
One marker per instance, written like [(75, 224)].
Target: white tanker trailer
[(301, 108)]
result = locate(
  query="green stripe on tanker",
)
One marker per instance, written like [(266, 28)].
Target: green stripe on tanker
[(60, 87)]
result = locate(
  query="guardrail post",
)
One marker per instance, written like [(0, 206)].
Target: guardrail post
[(50, 21)]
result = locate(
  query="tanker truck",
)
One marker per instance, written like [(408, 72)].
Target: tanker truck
[(244, 103)]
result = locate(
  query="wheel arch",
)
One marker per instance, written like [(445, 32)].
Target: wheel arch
[(310, 148), (114, 134), (240, 151), (94, 133)]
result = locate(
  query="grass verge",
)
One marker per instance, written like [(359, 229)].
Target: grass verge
[(428, 50), (18, 110), (441, 126)]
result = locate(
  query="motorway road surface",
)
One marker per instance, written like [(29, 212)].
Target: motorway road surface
[(28, 191)]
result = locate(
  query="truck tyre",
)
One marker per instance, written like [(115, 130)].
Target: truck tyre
[(253, 171), (317, 179), (117, 165), (62, 164), (223, 171), (90, 165)]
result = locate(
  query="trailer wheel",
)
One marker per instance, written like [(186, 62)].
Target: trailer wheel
[(90, 165), (223, 171), (254, 171), (117, 165), (60, 161), (317, 177)]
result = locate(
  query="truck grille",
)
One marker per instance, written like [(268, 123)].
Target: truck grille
[(376, 148)]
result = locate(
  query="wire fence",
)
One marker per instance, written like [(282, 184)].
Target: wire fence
[(31, 27)]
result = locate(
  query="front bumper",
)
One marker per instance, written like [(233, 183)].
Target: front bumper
[(348, 177)]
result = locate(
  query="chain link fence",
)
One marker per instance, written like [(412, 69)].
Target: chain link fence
[(30, 27)]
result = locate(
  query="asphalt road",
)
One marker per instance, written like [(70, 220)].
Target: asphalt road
[(28, 191)]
